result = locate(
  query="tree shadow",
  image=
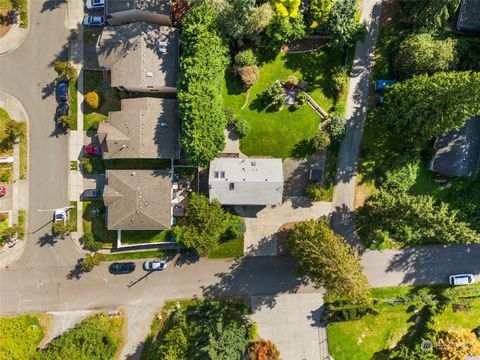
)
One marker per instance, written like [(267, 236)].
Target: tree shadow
[(233, 83), (48, 90), (260, 275), (50, 5), (302, 150), (77, 271), (47, 239)]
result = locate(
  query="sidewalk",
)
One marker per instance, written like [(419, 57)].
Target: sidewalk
[(14, 38), (20, 188)]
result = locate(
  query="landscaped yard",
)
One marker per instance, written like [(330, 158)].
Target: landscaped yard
[(72, 215), (373, 334), (72, 91), (99, 165), (280, 133), (94, 223), (228, 249), (144, 236), (110, 99)]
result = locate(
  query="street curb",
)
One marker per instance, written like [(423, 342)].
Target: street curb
[(24, 34)]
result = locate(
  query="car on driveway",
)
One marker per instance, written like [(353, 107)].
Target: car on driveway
[(93, 150), (3, 190), (118, 268), (60, 215), (95, 4), (461, 279), (62, 90), (153, 265), (90, 20)]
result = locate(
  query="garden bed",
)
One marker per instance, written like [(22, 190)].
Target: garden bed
[(110, 99)]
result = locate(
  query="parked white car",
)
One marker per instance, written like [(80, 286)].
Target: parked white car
[(461, 279), (152, 265), (60, 215), (95, 4), (89, 20)]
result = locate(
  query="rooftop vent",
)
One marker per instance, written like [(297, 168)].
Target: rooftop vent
[(231, 186)]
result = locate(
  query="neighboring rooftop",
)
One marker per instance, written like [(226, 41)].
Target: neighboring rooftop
[(236, 181), (140, 55), (157, 6), (138, 199), (469, 16), (457, 153), (145, 128)]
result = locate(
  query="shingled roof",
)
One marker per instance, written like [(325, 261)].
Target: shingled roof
[(140, 54), (236, 181), (145, 128), (138, 199)]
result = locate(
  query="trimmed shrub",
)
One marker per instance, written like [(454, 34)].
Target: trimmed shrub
[(248, 75), (347, 312), (90, 243), (245, 58), (340, 81), (317, 193), (243, 127), (92, 99), (231, 117), (336, 128), (321, 140), (253, 331), (262, 350)]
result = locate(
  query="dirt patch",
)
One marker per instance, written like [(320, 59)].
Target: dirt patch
[(282, 236), (7, 17), (308, 44), (362, 192)]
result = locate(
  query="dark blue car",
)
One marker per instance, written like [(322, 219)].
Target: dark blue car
[(381, 85), (62, 90), (121, 268)]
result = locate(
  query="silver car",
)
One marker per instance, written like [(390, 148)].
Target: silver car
[(90, 20), (153, 265), (461, 279)]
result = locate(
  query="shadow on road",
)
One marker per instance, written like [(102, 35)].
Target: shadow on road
[(257, 276), (50, 5), (48, 90), (77, 271), (46, 239), (133, 283)]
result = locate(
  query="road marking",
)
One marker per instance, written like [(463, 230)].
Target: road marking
[(40, 284)]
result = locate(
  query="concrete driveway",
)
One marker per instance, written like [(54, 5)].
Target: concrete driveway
[(262, 224), (292, 323)]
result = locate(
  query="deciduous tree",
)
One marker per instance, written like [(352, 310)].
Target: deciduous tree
[(429, 14), (342, 24), (328, 261), (457, 344)]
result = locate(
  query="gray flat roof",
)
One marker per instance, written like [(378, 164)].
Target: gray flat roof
[(469, 16), (236, 181), (457, 153), (140, 54), (156, 6), (145, 128), (138, 199)]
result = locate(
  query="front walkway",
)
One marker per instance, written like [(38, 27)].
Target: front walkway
[(292, 323), (263, 223)]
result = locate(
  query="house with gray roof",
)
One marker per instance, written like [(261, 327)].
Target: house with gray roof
[(237, 181), (144, 128), (119, 12), (457, 153), (138, 199), (468, 19), (140, 57)]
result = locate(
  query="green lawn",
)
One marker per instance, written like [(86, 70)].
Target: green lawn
[(145, 236), (282, 133), (110, 97), (99, 165), (3, 225), (23, 150), (21, 221), (73, 103), (72, 215), (6, 4), (95, 224), (450, 319), (228, 249)]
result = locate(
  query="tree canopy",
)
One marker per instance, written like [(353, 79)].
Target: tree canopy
[(429, 14), (422, 54), (202, 66), (342, 24), (328, 261), (424, 106)]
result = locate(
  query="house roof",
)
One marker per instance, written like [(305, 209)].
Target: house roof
[(469, 16), (156, 6), (140, 54), (145, 128), (457, 153), (235, 181), (138, 199)]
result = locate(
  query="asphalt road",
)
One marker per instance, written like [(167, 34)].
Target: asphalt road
[(28, 74)]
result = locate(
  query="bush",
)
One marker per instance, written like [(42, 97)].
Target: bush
[(90, 243), (65, 69), (262, 350), (317, 193), (87, 164), (348, 312), (248, 75), (20, 336), (245, 58), (66, 120), (230, 116), (300, 101), (91, 261), (234, 227), (92, 99), (292, 80), (252, 331), (336, 129), (243, 127), (340, 81), (403, 174), (321, 140), (274, 93)]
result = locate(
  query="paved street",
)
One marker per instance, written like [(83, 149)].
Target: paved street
[(27, 73)]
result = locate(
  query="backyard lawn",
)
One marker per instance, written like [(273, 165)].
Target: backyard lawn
[(110, 99), (94, 223), (281, 133)]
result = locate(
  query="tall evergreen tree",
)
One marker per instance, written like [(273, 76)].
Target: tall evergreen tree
[(328, 261)]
